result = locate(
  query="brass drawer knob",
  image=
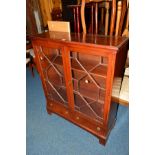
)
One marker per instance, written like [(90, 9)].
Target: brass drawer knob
[(98, 128), (41, 58), (66, 112), (77, 118), (86, 81)]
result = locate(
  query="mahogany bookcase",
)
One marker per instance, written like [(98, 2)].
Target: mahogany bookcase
[(77, 73)]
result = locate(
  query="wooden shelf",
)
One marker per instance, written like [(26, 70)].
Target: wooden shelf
[(100, 70), (87, 96), (92, 108), (58, 61)]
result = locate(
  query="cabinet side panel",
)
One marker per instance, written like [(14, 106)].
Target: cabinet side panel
[(118, 76), (109, 84), (121, 60)]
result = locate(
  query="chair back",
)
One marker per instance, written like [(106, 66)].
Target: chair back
[(126, 30), (113, 15)]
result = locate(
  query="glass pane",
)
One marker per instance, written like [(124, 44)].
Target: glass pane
[(89, 77), (52, 67)]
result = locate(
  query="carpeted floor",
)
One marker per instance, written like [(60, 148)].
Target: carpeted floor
[(52, 135)]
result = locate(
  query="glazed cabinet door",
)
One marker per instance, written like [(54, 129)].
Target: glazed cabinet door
[(50, 65), (89, 76)]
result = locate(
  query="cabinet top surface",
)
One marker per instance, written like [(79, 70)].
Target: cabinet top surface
[(89, 39)]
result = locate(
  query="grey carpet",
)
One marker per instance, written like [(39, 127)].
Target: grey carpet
[(52, 135)]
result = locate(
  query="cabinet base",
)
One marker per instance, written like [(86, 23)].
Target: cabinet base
[(49, 111), (93, 127), (102, 141)]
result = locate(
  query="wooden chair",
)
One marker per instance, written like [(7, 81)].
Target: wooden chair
[(30, 57), (126, 30), (76, 16), (113, 13)]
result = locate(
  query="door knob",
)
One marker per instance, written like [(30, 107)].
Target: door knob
[(87, 81), (41, 58)]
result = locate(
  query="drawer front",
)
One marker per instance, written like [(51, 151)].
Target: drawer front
[(89, 74), (51, 66)]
